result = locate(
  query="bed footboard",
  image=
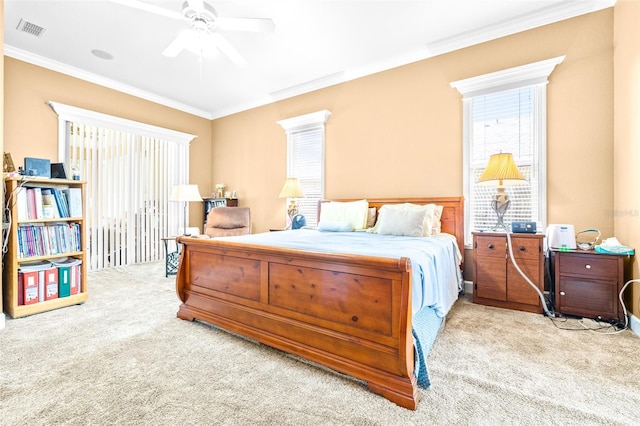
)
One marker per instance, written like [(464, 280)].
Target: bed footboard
[(349, 313)]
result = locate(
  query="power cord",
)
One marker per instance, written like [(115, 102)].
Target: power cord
[(526, 278), (616, 325)]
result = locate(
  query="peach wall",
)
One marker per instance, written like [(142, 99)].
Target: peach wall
[(627, 133), (399, 132), (31, 126), (393, 133)]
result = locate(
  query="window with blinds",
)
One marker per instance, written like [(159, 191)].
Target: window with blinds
[(505, 111), (305, 159), (503, 122), (306, 150)]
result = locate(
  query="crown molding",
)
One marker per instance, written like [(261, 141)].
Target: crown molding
[(43, 62), (545, 16), (524, 75)]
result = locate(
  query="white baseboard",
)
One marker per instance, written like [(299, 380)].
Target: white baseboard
[(634, 324), (1, 321), (468, 287)]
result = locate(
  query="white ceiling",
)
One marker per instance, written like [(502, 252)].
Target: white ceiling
[(316, 43)]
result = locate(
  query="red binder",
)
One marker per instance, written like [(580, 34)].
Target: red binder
[(50, 283), (30, 287)]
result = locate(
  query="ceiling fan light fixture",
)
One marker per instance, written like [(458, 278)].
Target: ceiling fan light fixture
[(202, 44), (199, 10)]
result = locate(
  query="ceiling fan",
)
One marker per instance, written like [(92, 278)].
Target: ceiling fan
[(203, 38)]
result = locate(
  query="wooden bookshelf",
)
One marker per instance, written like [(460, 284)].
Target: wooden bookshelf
[(15, 257)]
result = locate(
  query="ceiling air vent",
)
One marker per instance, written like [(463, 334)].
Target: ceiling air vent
[(30, 28)]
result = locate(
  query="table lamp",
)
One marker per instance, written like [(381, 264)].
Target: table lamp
[(185, 193), (291, 190), (501, 171)]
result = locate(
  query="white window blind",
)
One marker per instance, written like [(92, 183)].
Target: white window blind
[(305, 154), (305, 159), (130, 169), (504, 122)]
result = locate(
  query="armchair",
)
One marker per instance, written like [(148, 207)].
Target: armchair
[(228, 221)]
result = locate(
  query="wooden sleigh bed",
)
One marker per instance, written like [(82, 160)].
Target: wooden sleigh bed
[(350, 313)]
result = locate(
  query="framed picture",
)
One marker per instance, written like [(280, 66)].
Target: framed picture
[(7, 165)]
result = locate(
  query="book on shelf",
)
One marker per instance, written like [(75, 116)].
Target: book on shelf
[(47, 240), (74, 201), (22, 203), (48, 203)]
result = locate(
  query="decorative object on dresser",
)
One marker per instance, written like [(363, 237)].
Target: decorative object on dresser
[(291, 190), (501, 171), (45, 263), (496, 281), (185, 193), (587, 283)]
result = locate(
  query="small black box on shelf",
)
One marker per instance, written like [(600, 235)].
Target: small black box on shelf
[(523, 227)]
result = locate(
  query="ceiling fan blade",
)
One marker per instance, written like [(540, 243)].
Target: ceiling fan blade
[(196, 4), (245, 24), (230, 51), (147, 7), (177, 45)]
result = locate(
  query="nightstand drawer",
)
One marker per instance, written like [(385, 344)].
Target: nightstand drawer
[(493, 246), (526, 248), (590, 266)]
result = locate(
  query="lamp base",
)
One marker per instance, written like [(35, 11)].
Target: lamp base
[(292, 210), (500, 204)]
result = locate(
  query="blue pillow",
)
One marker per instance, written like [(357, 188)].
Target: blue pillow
[(330, 226)]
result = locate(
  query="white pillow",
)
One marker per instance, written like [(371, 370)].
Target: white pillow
[(406, 222), (430, 211), (432, 225), (355, 212), (437, 224)]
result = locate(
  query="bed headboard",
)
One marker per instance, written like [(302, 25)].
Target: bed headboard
[(452, 219)]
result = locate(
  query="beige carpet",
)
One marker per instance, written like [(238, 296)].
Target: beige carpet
[(124, 358)]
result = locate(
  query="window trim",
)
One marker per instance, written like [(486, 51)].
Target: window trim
[(301, 123), (535, 74)]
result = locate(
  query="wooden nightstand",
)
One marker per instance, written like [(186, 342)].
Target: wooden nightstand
[(496, 282), (587, 283)]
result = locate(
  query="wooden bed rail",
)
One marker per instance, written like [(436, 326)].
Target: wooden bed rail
[(349, 313)]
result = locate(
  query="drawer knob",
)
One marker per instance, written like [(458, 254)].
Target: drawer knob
[(523, 248), (587, 266), (490, 246), (562, 293)]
